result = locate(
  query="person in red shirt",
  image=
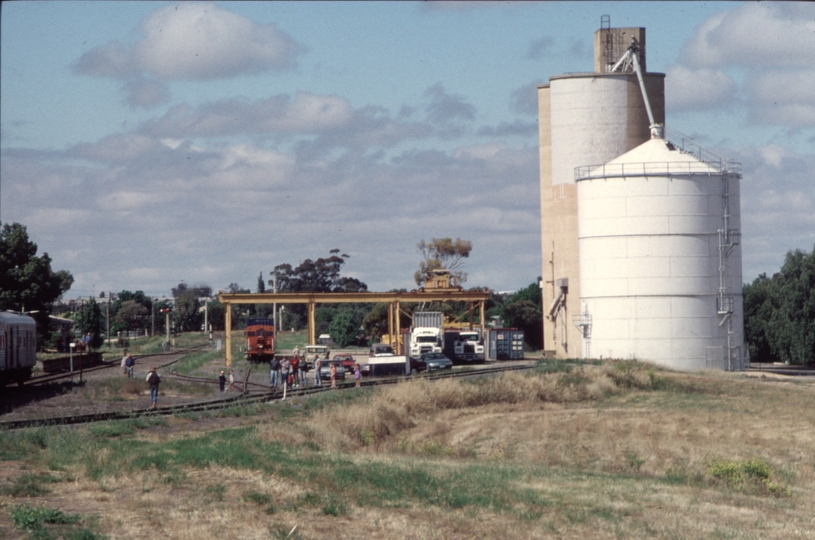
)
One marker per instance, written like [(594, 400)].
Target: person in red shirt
[(295, 363)]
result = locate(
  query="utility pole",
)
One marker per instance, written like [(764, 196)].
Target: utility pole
[(206, 314), (274, 305), (167, 311), (108, 318)]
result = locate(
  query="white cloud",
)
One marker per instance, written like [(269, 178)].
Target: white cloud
[(777, 206), (758, 57), (189, 41), (130, 200), (110, 60), (785, 98), (773, 155), (240, 209), (757, 34), (202, 41), (117, 148), (312, 112), (444, 107), (700, 89), (307, 113), (145, 94)]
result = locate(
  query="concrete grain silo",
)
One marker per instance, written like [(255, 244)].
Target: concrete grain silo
[(639, 235)]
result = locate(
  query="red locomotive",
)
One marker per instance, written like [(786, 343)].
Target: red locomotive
[(260, 340)]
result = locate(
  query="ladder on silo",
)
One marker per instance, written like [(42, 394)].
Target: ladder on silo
[(728, 239), (583, 323), (608, 41)]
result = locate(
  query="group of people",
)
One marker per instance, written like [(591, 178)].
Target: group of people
[(223, 379), (292, 372), (127, 364), (153, 379)]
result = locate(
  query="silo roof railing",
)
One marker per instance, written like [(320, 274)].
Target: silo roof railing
[(687, 145), (666, 168)]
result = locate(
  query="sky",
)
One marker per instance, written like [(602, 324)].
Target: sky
[(146, 144)]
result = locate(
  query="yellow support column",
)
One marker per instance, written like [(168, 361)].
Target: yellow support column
[(397, 316), (391, 322), (312, 330), (228, 316)]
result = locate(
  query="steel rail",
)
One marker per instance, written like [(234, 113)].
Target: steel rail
[(51, 377), (244, 399)]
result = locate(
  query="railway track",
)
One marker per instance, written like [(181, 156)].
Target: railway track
[(52, 377), (243, 399)]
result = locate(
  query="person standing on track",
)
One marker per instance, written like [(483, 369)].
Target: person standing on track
[(294, 365), (222, 381), (302, 367), (129, 363), (284, 370), (317, 365), (153, 379), (274, 373), (357, 374), (124, 362), (231, 379), (333, 374)]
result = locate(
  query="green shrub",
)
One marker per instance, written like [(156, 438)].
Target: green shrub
[(256, 497), (115, 428), (334, 507), (29, 485), (215, 492), (18, 444), (367, 437), (634, 460), (750, 475), (31, 518)]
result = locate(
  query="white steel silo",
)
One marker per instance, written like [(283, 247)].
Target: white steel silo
[(660, 265)]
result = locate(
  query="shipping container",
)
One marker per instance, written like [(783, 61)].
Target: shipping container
[(506, 344), (428, 319)]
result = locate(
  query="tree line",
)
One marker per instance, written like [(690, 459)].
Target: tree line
[(29, 284), (779, 312)]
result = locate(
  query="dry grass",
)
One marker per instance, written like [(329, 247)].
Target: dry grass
[(397, 409), (609, 451)]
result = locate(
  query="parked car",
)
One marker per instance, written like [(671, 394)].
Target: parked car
[(312, 351), (417, 365), (347, 362), (380, 349), (325, 370), (435, 361)]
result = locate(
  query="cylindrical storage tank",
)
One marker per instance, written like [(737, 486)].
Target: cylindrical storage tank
[(660, 265), (598, 117)]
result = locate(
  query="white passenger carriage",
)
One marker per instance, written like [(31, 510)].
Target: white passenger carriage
[(18, 346)]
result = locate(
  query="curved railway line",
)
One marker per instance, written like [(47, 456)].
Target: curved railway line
[(52, 377), (245, 398)]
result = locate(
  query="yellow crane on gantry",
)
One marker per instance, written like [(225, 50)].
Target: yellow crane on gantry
[(393, 299)]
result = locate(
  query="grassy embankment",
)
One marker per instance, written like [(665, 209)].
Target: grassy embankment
[(617, 450)]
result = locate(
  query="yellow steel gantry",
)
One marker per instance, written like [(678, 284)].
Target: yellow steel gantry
[(394, 300)]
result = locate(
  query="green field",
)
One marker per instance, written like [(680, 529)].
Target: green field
[(573, 450)]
